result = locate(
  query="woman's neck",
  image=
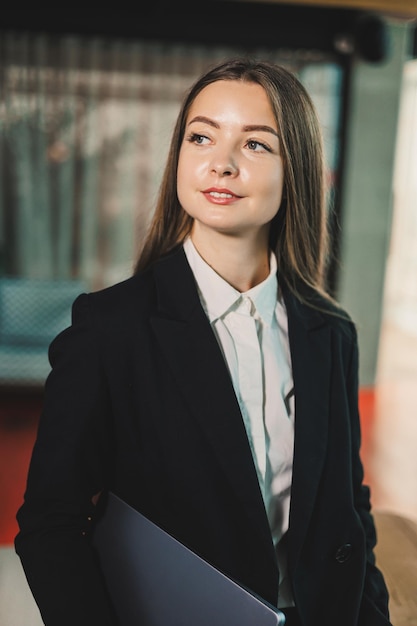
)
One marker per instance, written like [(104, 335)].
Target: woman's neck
[(242, 262)]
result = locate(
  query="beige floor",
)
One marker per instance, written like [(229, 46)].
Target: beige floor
[(392, 463), (396, 556)]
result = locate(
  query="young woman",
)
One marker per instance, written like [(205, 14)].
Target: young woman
[(216, 390)]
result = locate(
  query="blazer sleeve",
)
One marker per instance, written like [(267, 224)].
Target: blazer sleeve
[(68, 467), (374, 605)]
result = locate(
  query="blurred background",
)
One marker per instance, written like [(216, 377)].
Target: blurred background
[(87, 107)]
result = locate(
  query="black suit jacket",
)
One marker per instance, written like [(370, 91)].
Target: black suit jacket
[(140, 401)]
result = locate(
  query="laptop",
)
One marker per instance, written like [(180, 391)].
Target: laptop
[(154, 580)]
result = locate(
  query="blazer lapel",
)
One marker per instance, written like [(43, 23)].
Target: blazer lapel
[(191, 350), (311, 362)]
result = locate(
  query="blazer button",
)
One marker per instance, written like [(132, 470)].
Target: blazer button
[(343, 553)]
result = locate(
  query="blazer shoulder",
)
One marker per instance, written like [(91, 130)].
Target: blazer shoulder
[(138, 296), (118, 304), (340, 320), (122, 292), (315, 309)]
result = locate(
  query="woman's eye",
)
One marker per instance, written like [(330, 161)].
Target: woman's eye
[(198, 139), (257, 146)]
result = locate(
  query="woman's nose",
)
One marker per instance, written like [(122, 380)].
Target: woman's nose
[(224, 163)]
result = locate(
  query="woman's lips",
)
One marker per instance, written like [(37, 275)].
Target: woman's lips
[(220, 196)]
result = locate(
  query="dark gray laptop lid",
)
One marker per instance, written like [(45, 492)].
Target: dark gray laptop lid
[(153, 580)]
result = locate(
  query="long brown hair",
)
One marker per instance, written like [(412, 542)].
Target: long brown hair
[(298, 232)]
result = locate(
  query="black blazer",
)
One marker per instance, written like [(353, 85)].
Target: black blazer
[(140, 401)]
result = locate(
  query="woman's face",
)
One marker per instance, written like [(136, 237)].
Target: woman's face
[(230, 173)]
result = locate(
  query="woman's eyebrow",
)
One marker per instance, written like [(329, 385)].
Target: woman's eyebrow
[(205, 120), (248, 128), (259, 127)]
